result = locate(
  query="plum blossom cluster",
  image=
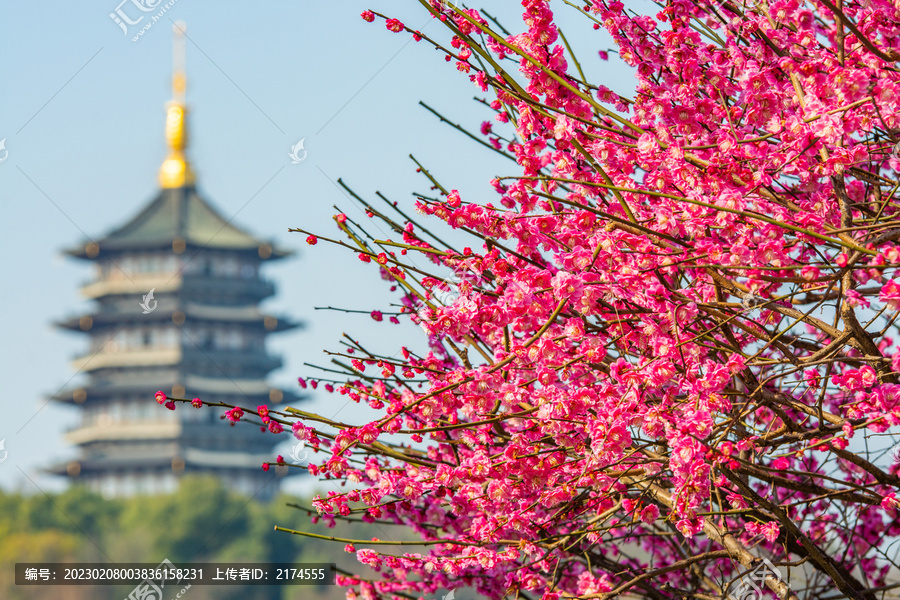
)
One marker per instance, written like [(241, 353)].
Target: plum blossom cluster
[(674, 344)]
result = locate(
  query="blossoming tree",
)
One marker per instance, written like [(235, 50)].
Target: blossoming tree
[(667, 356)]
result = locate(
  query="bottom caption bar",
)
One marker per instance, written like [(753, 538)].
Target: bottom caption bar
[(151, 577)]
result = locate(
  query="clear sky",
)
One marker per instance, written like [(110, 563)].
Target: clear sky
[(82, 113)]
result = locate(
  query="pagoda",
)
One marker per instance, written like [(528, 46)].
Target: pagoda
[(176, 294)]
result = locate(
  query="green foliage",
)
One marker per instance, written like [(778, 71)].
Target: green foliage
[(191, 524), (201, 522)]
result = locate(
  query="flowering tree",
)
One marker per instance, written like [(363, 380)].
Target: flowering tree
[(668, 356)]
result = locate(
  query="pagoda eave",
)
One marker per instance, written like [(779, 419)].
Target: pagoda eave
[(185, 459), (101, 250), (254, 396), (266, 323)]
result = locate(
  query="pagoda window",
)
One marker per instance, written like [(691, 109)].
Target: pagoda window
[(204, 339), (229, 340), (248, 271), (167, 483), (144, 264), (226, 266), (189, 266), (129, 338), (108, 486), (256, 342), (171, 337), (195, 336), (157, 338), (114, 270), (145, 484), (147, 411), (194, 416), (118, 341), (244, 485), (96, 343), (129, 484)]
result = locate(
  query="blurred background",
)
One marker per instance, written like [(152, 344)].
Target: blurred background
[(82, 120)]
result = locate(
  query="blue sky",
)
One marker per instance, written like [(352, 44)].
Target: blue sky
[(82, 113)]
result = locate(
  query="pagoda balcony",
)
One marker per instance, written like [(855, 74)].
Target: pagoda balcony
[(247, 363), (207, 436), (133, 358), (162, 459), (126, 432), (254, 390), (132, 285), (226, 460)]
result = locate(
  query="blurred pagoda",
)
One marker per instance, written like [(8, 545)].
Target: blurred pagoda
[(176, 293)]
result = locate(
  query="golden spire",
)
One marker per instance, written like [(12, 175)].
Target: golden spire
[(175, 171)]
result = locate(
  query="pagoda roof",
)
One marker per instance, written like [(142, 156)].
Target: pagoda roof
[(178, 216)]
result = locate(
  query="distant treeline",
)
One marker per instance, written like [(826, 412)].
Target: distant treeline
[(201, 522)]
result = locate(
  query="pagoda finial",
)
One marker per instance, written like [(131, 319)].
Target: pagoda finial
[(176, 171)]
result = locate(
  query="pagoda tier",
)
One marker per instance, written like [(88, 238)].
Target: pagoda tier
[(176, 293)]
